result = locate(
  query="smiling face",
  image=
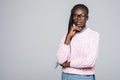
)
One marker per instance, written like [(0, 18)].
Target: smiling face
[(80, 17)]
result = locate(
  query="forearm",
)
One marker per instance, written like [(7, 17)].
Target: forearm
[(63, 51), (67, 40), (87, 62)]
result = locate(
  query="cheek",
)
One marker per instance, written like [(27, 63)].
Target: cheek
[(84, 22), (74, 21)]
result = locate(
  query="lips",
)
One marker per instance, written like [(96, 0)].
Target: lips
[(79, 23)]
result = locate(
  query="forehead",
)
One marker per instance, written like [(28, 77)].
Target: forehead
[(80, 11)]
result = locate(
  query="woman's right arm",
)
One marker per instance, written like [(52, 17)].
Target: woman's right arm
[(63, 52), (64, 48)]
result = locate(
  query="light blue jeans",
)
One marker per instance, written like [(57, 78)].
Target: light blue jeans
[(67, 76)]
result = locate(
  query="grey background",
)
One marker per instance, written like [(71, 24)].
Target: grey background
[(30, 31)]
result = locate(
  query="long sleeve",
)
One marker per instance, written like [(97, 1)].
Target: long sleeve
[(90, 59), (63, 52)]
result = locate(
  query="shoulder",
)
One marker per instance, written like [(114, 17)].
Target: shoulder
[(93, 32), (94, 35)]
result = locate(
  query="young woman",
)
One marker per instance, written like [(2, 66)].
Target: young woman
[(78, 49)]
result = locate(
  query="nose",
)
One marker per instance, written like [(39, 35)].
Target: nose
[(78, 18)]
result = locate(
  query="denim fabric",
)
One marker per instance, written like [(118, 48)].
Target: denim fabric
[(67, 76)]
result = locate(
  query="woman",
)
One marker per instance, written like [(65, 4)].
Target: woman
[(78, 49)]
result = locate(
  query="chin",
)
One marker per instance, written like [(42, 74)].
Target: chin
[(79, 25)]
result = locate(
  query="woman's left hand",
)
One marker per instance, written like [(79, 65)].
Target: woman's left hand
[(65, 64)]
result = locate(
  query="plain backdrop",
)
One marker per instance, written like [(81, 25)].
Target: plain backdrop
[(30, 32)]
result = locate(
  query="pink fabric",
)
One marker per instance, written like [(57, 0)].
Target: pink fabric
[(81, 53)]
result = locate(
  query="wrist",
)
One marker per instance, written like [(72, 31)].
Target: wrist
[(69, 36)]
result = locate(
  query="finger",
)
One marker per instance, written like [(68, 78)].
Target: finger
[(77, 28), (61, 64)]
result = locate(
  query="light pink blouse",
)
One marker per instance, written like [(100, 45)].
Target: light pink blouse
[(81, 53)]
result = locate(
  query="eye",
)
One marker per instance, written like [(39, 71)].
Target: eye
[(75, 15), (83, 15)]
